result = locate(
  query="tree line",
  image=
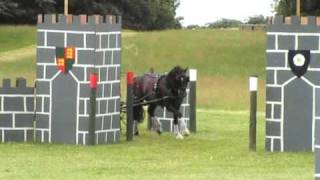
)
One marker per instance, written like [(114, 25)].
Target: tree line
[(280, 7), (288, 7), (136, 14), (231, 23)]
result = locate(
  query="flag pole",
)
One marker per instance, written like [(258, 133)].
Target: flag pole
[(66, 4), (298, 8)]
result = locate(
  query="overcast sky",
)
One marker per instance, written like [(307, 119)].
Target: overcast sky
[(203, 11)]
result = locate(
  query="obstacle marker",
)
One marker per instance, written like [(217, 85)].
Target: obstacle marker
[(293, 76), (92, 115), (71, 48), (193, 100), (72, 105), (253, 88), (129, 107)]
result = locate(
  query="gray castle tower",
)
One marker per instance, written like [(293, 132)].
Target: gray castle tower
[(69, 49), (293, 83)]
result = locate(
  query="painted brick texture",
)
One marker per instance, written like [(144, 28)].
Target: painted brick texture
[(292, 103), (97, 43), (16, 111)]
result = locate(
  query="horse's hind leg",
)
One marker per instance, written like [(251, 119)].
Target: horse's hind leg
[(137, 116), (135, 128), (155, 121)]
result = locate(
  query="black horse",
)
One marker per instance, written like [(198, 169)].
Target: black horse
[(165, 91)]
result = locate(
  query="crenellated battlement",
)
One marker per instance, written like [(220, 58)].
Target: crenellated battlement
[(82, 19), (16, 111), (293, 20), (281, 23), (19, 88)]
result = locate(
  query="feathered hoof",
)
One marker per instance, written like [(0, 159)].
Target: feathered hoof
[(179, 136), (186, 132)]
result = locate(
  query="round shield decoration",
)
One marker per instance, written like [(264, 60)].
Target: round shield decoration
[(299, 61)]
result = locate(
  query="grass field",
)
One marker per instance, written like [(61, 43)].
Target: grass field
[(219, 150), (224, 60)]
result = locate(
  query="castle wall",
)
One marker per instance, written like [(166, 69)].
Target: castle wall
[(97, 44), (16, 111), (292, 81)]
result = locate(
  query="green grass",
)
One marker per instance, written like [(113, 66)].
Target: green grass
[(218, 151), (224, 60), (212, 52), (21, 68), (14, 37)]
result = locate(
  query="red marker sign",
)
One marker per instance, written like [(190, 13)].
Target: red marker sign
[(93, 80), (130, 76)]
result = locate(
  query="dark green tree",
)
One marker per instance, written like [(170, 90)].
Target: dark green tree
[(6, 7), (288, 7), (224, 23), (149, 14), (136, 14), (259, 19), (22, 11)]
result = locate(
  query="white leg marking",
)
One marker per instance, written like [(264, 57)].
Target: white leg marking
[(177, 132), (184, 129)]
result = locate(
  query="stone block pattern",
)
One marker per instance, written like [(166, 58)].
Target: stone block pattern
[(16, 111), (284, 34), (97, 43)]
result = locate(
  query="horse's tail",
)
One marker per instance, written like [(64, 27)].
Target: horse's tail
[(138, 113)]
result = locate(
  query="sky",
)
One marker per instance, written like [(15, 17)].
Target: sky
[(204, 11)]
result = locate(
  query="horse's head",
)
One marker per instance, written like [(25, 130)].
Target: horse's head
[(179, 80)]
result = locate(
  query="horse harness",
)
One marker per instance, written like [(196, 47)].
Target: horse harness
[(157, 92)]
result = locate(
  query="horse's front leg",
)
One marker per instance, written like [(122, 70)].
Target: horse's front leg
[(176, 116), (183, 127), (176, 129), (155, 121)]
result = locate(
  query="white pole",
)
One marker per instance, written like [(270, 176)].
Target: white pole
[(253, 83), (193, 99), (192, 74), (298, 2)]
